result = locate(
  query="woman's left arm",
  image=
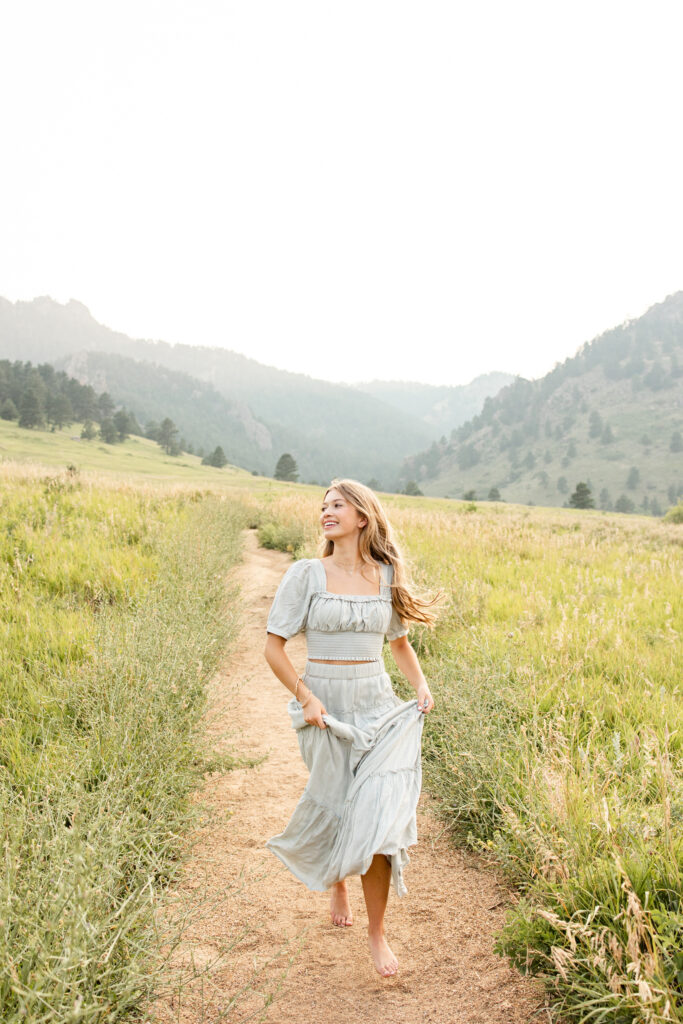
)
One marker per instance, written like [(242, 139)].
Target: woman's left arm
[(407, 663)]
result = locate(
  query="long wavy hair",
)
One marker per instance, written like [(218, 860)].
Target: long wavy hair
[(376, 544)]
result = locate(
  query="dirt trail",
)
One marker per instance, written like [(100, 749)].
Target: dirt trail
[(308, 971)]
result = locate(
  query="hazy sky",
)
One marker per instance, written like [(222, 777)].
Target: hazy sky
[(425, 190)]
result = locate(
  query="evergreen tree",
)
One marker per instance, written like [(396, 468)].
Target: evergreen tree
[(604, 501), (412, 489), (286, 468), (470, 496), (562, 485), (88, 433), (607, 435), (105, 406), (31, 410), (122, 422), (215, 458), (633, 478), (624, 504), (494, 495), (59, 410), (8, 410), (108, 431), (582, 497), (168, 433)]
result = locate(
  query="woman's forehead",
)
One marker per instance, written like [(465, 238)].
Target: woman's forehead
[(333, 495)]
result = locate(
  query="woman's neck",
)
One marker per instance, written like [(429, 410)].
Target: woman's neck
[(346, 553)]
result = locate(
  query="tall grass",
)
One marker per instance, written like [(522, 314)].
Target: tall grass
[(113, 613), (557, 742)]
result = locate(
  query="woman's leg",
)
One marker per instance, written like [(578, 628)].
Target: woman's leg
[(340, 908), (376, 891)]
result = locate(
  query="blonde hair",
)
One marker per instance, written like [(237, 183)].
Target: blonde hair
[(376, 544)]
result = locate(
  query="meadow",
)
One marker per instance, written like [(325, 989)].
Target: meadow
[(556, 745), (555, 748), (114, 613)]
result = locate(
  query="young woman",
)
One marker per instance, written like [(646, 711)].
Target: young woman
[(360, 743)]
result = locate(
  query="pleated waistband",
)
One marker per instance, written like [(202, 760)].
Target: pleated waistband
[(349, 690), (322, 670)]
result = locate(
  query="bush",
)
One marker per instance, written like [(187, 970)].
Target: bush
[(674, 514)]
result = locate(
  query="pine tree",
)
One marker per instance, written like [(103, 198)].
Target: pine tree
[(31, 410), (167, 438), (108, 431), (8, 410), (286, 468), (582, 497)]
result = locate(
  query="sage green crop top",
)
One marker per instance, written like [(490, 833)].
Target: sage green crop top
[(351, 627)]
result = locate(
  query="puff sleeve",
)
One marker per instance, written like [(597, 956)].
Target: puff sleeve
[(395, 629), (289, 610)]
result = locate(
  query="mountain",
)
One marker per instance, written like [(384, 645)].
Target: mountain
[(330, 429), (443, 407), (202, 415), (611, 416)]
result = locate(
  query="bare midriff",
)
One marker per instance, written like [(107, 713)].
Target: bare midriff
[(329, 661)]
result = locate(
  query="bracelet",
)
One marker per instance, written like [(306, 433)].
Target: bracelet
[(296, 689)]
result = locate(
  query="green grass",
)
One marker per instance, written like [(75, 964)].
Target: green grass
[(113, 614), (136, 458), (556, 746)]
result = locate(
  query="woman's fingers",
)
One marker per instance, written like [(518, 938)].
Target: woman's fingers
[(426, 703)]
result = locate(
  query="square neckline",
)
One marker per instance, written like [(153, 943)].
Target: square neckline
[(354, 597)]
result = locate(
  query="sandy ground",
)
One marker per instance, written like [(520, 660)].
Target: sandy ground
[(262, 947)]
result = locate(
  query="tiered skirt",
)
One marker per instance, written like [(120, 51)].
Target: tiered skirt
[(364, 782)]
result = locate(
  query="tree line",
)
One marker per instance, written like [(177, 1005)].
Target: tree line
[(40, 397)]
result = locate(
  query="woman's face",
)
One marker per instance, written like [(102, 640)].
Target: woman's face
[(338, 517)]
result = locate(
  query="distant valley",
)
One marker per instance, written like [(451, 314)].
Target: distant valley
[(255, 412)]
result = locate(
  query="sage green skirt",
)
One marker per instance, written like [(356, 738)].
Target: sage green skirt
[(364, 782)]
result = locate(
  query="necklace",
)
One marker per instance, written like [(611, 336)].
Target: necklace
[(349, 572)]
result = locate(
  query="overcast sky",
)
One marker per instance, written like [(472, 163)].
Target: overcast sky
[(377, 189)]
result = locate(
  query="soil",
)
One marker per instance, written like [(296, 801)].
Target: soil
[(260, 946)]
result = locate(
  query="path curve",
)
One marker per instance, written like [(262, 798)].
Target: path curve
[(273, 934)]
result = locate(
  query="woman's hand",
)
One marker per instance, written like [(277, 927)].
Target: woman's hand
[(425, 701), (313, 711)]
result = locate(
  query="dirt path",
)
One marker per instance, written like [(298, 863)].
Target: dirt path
[(307, 971)]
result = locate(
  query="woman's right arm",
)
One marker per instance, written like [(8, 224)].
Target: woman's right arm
[(278, 659)]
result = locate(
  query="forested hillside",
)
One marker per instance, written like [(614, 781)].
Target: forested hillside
[(611, 416), (330, 429), (202, 415)]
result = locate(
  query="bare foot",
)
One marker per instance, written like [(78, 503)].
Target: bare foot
[(340, 908), (384, 960)]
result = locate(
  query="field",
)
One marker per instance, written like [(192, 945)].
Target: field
[(556, 746)]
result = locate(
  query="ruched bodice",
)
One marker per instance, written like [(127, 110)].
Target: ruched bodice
[(349, 626)]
